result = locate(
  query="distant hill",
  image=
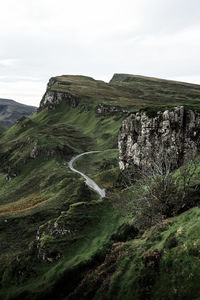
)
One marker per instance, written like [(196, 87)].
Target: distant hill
[(11, 111)]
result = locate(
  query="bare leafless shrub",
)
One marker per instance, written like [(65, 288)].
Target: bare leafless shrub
[(158, 192)]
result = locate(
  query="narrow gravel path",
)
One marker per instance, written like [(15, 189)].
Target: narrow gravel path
[(88, 180)]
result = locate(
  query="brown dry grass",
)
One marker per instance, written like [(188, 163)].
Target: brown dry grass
[(23, 204)]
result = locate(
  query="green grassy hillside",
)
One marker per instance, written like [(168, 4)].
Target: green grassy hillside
[(58, 240), (128, 91)]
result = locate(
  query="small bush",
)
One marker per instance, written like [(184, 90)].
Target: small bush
[(159, 193), (125, 232)]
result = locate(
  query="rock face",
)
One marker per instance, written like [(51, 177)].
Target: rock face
[(51, 99), (108, 110), (143, 138), (34, 152), (50, 232)]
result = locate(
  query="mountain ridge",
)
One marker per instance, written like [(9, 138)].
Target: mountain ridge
[(128, 91), (129, 77), (11, 111)]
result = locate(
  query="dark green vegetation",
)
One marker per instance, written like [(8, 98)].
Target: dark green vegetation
[(58, 240), (11, 111)]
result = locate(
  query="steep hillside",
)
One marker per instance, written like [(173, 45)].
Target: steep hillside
[(58, 239), (11, 111)]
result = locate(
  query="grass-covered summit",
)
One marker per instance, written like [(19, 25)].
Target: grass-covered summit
[(127, 90)]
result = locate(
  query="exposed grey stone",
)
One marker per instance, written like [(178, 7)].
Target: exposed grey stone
[(34, 152), (143, 138), (52, 230), (103, 109), (51, 99)]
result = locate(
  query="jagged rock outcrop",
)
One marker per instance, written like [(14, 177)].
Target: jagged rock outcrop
[(51, 99), (142, 138), (108, 110), (34, 152), (50, 232)]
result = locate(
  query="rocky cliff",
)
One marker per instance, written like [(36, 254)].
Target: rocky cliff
[(84, 93), (51, 99), (143, 138)]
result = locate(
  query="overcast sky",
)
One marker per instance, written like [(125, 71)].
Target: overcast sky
[(44, 38)]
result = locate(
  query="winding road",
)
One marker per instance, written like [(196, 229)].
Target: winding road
[(88, 180)]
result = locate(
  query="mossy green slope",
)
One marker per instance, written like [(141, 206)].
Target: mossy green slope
[(44, 184), (87, 256), (155, 91), (162, 264), (36, 186)]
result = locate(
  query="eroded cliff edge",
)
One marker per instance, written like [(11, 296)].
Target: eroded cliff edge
[(143, 138)]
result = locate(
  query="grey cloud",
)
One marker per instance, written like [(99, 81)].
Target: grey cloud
[(164, 44)]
